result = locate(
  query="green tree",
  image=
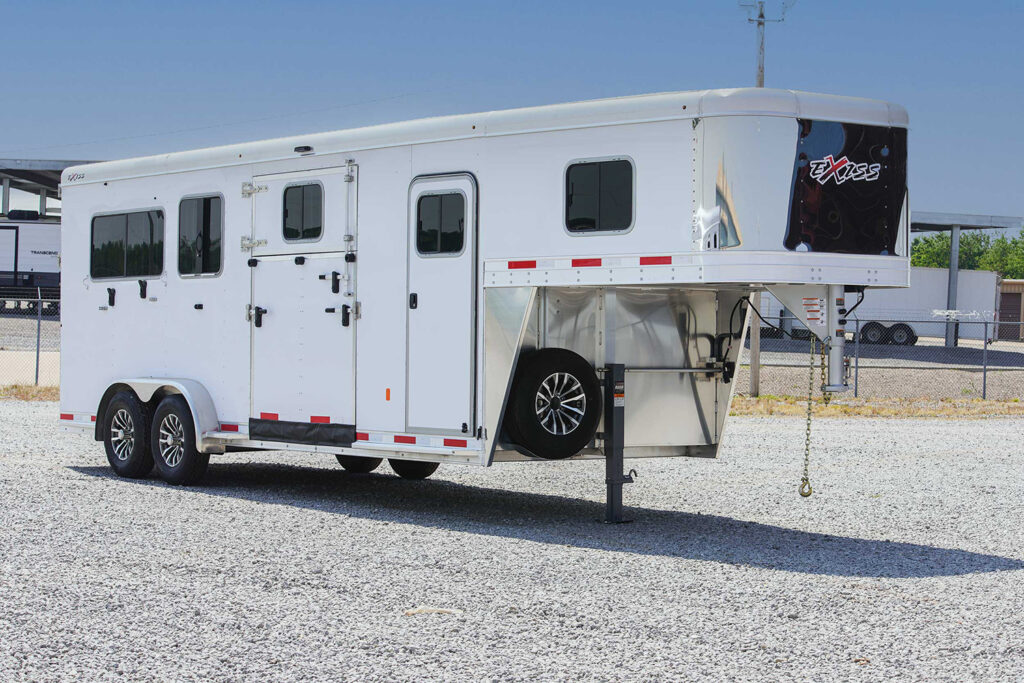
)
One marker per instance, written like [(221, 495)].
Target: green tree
[(978, 251), (932, 251)]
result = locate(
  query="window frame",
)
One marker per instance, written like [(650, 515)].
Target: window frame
[(223, 230), (125, 212), (323, 210), (465, 223), (565, 196)]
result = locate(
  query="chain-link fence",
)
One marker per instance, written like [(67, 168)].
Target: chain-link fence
[(888, 359), (29, 341), (934, 359)]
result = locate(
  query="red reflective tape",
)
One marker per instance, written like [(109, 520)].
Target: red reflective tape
[(67, 416), (268, 416), (585, 262), (320, 419), (405, 439), (93, 418), (228, 428), (655, 260), (456, 443), (362, 436), (516, 265)]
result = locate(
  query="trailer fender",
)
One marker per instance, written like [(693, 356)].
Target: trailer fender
[(204, 413)]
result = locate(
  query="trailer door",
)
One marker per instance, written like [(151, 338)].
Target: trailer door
[(302, 309), (442, 305)]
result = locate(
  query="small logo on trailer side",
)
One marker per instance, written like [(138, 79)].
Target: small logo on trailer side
[(842, 169)]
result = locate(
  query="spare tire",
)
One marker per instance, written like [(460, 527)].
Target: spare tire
[(555, 404)]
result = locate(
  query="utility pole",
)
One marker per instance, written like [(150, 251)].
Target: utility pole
[(755, 300), (760, 43), (755, 15)]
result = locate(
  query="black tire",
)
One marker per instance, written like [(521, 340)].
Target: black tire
[(873, 333), (549, 380), (358, 465), (902, 335), (173, 439), (126, 436), (412, 469)]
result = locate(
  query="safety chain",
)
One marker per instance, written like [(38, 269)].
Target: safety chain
[(805, 482), (825, 395)]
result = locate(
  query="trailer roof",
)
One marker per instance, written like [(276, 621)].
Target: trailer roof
[(614, 111)]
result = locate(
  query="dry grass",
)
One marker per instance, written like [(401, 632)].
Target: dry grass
[(876, 407), (27, 392)]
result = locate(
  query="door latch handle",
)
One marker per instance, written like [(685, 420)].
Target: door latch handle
[(346, 315), (335, 282), (142, 289), (258, 314), (414, 300)]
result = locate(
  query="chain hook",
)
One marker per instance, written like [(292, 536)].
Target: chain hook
[(805, 481)]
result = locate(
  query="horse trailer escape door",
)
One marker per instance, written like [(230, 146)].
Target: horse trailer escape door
[(442, 305), (303, 314)]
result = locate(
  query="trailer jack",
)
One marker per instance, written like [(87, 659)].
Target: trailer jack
[(614, 442)]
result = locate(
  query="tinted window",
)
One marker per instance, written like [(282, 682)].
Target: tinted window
[(303, 212), (128, 245), (849, 182), (599, 196), (440, 223), (199, 235)]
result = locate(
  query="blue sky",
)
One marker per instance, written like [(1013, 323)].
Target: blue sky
[(105, 80)]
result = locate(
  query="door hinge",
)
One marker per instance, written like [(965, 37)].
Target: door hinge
[(248, 243), (249, 189)]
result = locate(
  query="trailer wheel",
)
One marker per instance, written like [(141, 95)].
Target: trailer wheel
[(555, 404), (873, 333), (412, 469), (126, 436), (358, 465), (902, 335), (174, 443)]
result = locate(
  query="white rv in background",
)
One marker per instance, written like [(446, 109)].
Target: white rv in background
[(901, 316), (449, 290), (29, 260)]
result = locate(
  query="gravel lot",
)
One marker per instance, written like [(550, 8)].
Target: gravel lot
[(906, 563)]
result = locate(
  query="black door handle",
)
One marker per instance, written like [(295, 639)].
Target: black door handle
[(111, 293), (259, 312), (346, 312), (414, 300), (142, 289), (335, 282)]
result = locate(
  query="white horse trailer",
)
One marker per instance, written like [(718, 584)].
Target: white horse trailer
[(450, 290)]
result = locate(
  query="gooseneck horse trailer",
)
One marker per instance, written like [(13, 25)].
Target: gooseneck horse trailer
[(459, 289)]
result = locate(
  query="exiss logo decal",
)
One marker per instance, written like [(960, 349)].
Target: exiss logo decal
[(842, 169), (72, 177)]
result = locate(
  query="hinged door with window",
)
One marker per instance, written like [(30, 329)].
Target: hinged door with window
[(442, 305), (303, 308)]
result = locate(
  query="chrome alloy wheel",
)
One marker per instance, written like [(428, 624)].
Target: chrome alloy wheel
[(122, 434), (561, 403), (172, 440)]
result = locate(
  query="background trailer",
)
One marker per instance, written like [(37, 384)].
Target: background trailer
[(452, 289)]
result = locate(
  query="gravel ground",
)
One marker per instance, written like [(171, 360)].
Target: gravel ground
[(910, 383), (906, 563), (18, 333)]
